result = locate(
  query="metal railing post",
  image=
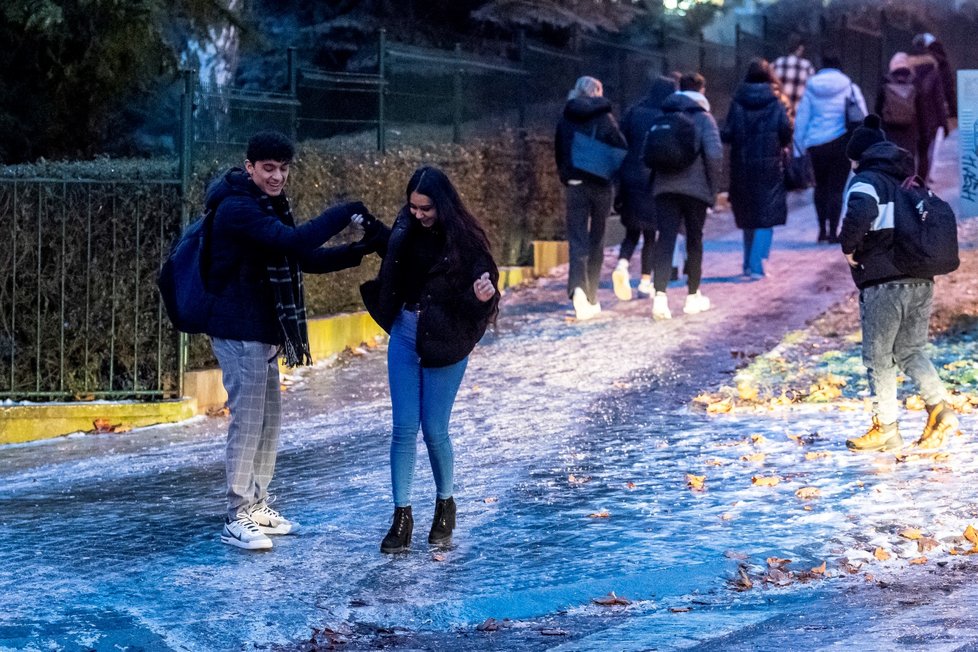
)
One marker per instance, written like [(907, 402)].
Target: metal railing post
[(293, 92), (381, 90), (457, 99), (186, 153)]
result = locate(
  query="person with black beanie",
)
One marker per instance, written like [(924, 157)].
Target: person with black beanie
[(894, 307)]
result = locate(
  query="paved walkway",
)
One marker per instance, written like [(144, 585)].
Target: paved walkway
[(114, 538)]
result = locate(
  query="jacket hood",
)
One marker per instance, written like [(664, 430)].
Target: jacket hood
[(582, 109), (827, 83), (886, 157), (755, 95), (233, 182), (900, 76), (681, 102), (662, 87)]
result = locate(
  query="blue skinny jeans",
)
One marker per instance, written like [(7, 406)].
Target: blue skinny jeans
[(420, 398)]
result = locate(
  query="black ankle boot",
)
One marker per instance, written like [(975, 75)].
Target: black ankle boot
[(398, 538), (443, 523)]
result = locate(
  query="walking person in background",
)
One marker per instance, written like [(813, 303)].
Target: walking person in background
[(945, 70), (589, 198), (820, 127), (758, 129), (792, 71), (899, 106), (682, 198), (435, 295), (257, 256), (894, 308), (933, 102), (635, 195)]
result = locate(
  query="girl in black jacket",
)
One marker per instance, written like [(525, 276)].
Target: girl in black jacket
[(758, 130), (435, 295)]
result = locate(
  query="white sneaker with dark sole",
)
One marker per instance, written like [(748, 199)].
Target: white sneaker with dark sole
[(696, 303), (271, 522), (243, 532), (660, 307)]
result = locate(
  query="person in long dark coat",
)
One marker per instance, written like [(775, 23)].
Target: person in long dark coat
[(637, 205), (758, 129), (904, 133), (934, 112)]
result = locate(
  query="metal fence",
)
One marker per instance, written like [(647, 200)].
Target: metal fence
[(79, 314)]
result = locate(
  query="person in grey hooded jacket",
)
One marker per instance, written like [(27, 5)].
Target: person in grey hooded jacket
[(683, 198)]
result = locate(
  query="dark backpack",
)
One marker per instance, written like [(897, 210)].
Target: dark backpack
[(670, 143), (899, 104), (925, 238), (182, 281)]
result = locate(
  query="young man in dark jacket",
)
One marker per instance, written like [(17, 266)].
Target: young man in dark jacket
[(894, 307), (256, 258)]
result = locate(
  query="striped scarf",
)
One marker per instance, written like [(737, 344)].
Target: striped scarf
[(286, 281)]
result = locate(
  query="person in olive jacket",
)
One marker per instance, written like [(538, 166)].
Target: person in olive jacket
[(435, 295), (758, 129), (589, 198), (256, 257)]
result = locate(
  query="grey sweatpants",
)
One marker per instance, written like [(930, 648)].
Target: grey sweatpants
[(895, 317), (250, 374)]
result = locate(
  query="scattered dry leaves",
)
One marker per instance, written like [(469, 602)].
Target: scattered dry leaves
[(765, 481), (926, 544), (742, 581)]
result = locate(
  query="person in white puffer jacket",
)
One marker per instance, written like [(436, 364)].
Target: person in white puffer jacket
[(820, 128)]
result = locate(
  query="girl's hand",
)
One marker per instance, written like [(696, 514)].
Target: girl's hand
[(483, 287)]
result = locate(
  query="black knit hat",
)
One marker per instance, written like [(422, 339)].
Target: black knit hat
[(864, 137)]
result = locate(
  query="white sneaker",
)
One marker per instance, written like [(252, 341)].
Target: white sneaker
[(696, 303), (621, 281), (645, 287), (244, 533), (660, 307), (271, 522), (583, 309)]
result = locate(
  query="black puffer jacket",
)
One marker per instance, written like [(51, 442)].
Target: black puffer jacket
[(758, 129), (638, 204), (452, 319), (587, 115), (249, 227), (871, 204)]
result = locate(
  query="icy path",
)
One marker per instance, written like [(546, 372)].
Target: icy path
[(113, 539)]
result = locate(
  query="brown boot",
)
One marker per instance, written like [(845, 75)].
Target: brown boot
[(941, 421), (880, 437)]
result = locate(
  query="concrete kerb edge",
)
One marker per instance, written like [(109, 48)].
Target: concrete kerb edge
[(203, 388)]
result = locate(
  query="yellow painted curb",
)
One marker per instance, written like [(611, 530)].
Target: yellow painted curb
[(548, 254), (513, 276), (22, 423), (327, 336)]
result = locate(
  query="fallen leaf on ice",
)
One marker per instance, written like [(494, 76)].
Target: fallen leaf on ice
[(807, 493), (881, 554), (925, 544), (775, 562), (765, 481), (696, 482), (818, 570), (715, 462), (971, 535), (610, 600), (911, 533), (811, 456), (719, 407), (489, 500), (602, 514), (758, 440), (742, 582), (919, 560), (754, 457), (574, 479), (915, 402), (437, 557), (488, 625)]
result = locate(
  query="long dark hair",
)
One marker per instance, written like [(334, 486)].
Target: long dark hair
[(463, 233)]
